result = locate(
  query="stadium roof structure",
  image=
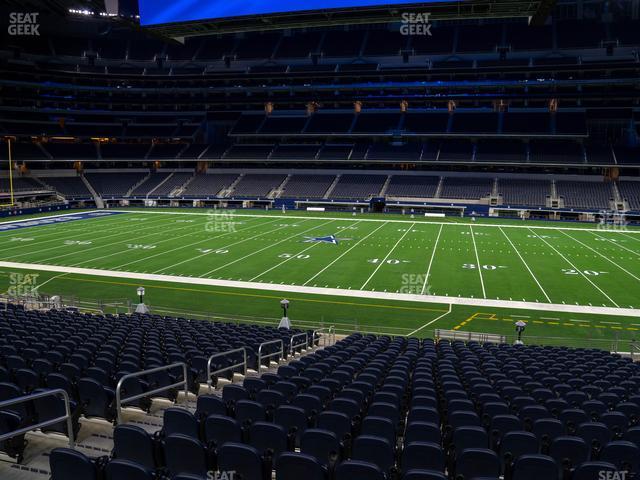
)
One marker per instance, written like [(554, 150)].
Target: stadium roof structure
[(536, 10)]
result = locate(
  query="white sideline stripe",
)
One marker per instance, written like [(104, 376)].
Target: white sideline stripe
[(526, 266), (606, 258), (387, 256), (576, 268), (430, 322), (336, 292), (347, 219), (478, 266), (433, 254), (344, 253)]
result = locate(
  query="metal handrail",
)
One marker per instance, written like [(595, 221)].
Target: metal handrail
[(297, 345), (35, 396), (230, 367), (120, 401), (270, 342), (330, 335)]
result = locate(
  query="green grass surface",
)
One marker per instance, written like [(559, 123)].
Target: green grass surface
[(486, 259)]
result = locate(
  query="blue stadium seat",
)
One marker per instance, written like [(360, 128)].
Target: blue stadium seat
[(294, 466), (66, 464)]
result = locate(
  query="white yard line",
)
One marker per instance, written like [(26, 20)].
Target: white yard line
[(287, 259), (173, 238), (617, 244), (388, 254), (478, 266), (343, 254), (430, 322), (603, 256), (575, 268), (433, 254), (526, 266), (181, 247), (336, 292), (348, 219), (52, 236), (224, 246), (119, 234), (261, 250)]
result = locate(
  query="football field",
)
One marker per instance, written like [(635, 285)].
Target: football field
[(501, 263)]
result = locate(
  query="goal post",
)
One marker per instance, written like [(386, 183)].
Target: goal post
[(10, 156)]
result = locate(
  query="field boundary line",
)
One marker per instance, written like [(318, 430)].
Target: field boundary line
[(431, 321), (526, 265), (348, 219), (344, 253), (433, 254), (576, 269), (387, 256), (478, 266), (335, 292)]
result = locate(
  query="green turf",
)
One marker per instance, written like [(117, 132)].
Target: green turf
[(564, 264)]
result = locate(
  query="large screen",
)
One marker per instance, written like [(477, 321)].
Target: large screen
[(153, 12)]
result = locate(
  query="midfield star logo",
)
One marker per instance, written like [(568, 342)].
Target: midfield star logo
[(326, 239)]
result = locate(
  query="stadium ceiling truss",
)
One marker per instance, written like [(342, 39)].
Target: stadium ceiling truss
[(536, 10)]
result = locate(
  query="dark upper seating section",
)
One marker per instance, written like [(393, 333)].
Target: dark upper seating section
[(114, 184), (69, 187), (358, 186), (466, 188), (307, 186), (418, 186), (593, 195)]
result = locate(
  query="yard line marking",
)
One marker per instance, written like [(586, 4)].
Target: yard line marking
[(387, 256), (422, 222), (606, 258), (610, 323), (287, 259), (479, 267), (521, 316), (617, 244), (183, 246), (433, 254), (224, 246), (581, 321), (47, 236), (85, 250), (431, 322), (549, 318), (526, 266), (262, 249), (575, 268), (343, 254)]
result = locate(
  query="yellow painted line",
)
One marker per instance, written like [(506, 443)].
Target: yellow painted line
[(538, 321), (553, 323)]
